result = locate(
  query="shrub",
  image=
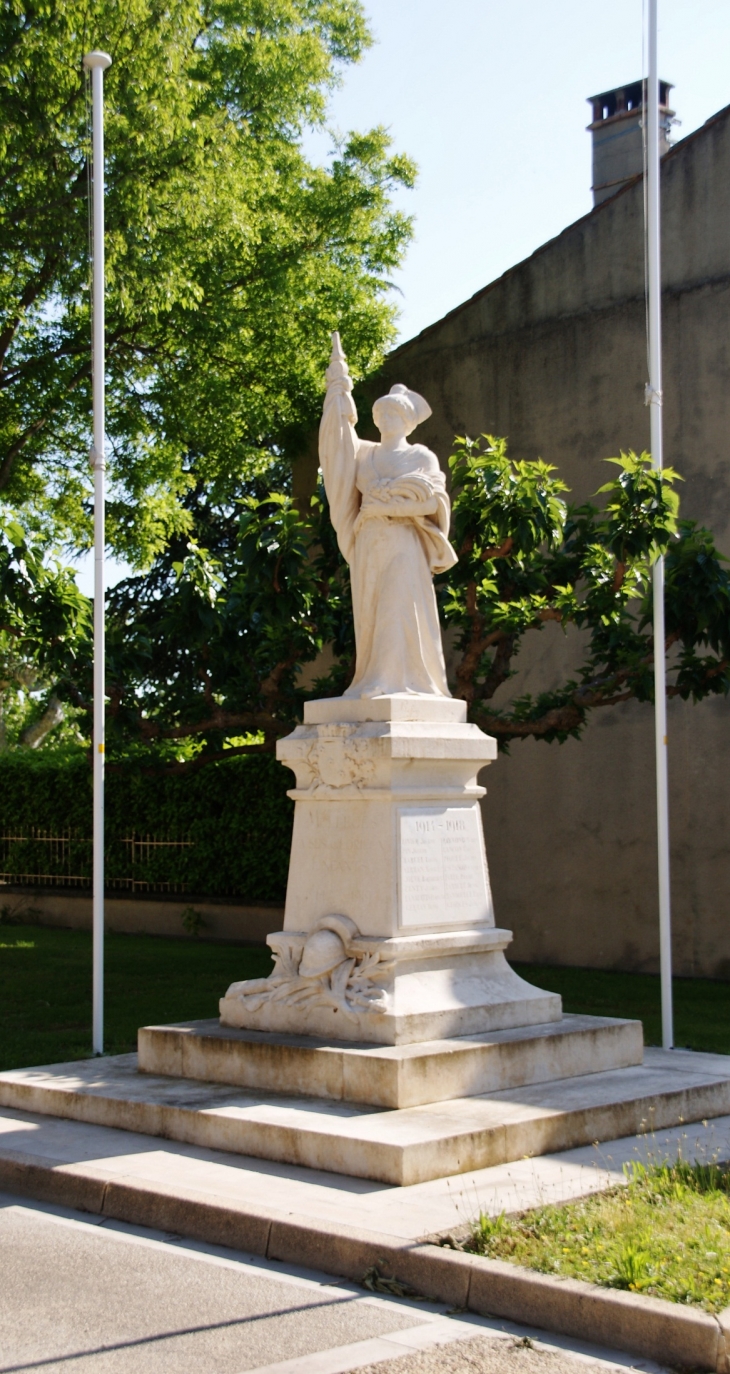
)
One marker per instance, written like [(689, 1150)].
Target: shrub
[(225, 830)]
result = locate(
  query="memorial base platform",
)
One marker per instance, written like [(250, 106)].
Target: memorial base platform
[(394, 1076), (400, 1147)]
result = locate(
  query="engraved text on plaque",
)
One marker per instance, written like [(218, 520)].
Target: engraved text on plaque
[(442, 866)]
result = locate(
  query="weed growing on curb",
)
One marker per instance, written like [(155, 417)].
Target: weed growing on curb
[(376, 1282)]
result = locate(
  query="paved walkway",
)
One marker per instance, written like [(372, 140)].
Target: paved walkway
[(408, 1213), (80, 1294), (411, 1213)]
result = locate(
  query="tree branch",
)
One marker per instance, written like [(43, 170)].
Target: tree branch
[(35, 428), (500, 669), (477, 644), (219, 720), (571, 715), (498, 550), (28, 296), (200, 760)]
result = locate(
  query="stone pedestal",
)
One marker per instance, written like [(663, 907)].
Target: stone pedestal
[(389, 933), (393, 1041), (396, 991), (394, 1076)]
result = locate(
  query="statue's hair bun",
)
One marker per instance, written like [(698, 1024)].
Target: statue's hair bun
[(414, 407), (421, 408)]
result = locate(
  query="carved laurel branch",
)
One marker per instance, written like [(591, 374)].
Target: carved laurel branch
[(349, 988)]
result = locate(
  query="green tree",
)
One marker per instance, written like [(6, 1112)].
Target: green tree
[(526, 558), (45, 635), (229, 255), (206, 650), (219, 644)]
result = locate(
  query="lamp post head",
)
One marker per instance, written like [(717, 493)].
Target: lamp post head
[(96, 59)]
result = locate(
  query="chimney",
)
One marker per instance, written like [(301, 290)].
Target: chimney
[(617, 135)]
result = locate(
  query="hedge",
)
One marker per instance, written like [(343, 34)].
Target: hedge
[(226, 829)]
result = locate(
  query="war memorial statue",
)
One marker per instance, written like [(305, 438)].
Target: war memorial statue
[(392, 1041), (389, 932)]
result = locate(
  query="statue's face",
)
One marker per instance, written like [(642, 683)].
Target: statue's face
[(390, 418)]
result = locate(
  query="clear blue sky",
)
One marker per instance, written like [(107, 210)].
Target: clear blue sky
[(489, 98)]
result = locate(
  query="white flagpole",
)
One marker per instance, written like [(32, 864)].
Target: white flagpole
[(96, 63), (654, 401)]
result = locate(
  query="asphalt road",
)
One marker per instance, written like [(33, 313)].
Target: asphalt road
[(79, 1294)]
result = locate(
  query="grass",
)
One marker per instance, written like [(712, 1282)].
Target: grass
[(665, 1233), (701, 1005), (45, 988), (45, 992)]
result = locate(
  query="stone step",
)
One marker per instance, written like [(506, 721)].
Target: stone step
[(390, 1075), (403, 1147)]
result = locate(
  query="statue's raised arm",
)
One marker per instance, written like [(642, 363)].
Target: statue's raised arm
[(391, 511), (338, 445)]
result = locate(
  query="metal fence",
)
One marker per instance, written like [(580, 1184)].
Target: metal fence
[(135, 863)]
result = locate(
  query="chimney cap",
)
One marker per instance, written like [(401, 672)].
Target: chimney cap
[(624, 100)]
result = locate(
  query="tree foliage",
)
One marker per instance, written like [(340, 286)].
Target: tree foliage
[(44, 618), (45, 631), (230, 255), (210, 644), (526, 558), (216, 648)]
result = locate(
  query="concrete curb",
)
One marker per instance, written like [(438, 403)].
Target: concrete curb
[(662, 1331)]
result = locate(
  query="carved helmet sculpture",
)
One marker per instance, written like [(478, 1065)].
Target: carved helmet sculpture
[(327, 946)]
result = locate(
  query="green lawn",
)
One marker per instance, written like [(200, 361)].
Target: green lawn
[(665, 1233), (701, 1006), (45, 988), (45, 992)]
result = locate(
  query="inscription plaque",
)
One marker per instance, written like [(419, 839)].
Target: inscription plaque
[(442, 867)]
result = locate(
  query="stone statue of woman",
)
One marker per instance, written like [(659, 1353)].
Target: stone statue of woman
[(390, 509)]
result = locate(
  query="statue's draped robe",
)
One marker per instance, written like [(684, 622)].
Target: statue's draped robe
[(391, 513)]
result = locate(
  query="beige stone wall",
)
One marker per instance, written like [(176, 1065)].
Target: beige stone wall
[(553, 355), (72, 910)]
